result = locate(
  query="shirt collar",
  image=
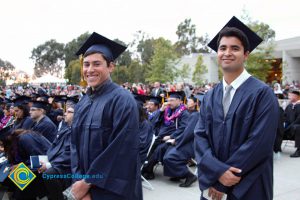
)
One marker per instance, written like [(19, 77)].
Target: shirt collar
[(238, 81)]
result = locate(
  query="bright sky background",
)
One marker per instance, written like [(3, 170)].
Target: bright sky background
[(27, 24)]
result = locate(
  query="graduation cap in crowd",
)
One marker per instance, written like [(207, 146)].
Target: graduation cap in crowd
[(156, 100), (21, 100), (60, 98), (73, 99), (40, 104), (253, 39), (178, 95), (98, 43), (296, 92), (140, 99)]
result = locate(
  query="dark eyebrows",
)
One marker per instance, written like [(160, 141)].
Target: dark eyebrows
[(232, 46)]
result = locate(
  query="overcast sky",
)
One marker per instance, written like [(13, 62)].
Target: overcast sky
[(27, 24)]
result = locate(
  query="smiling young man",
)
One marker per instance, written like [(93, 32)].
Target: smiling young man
[(104, 139), (237, 125)]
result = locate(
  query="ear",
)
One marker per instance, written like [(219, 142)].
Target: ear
[(111, 67), (246, 54)]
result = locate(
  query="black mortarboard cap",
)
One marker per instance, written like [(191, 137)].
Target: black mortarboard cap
[(157, 100), (296, 92), (60, 98), (21, 100), (140, 99), (199, 96), (40, 104), (253, 39), (97, 43), (74, 99), (178, 95)]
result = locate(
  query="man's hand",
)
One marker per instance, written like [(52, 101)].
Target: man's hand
[(171, 141), (228, 178), (42, 168), (166, 138), (215, 194), (87, 197), (80, 189), (164, 105)]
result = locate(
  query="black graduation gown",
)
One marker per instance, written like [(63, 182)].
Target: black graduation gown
[(292, 118), (25, 123), (105, 141), (176, 158), (154, 119), (146, 135), (31, 144), (59, 154), (174, 130), (244, 139), (46, 127)]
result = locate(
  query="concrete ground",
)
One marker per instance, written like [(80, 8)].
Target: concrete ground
[(286, 181)]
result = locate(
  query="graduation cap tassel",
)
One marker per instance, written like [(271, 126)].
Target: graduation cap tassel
[(82, 83), (197, 105)]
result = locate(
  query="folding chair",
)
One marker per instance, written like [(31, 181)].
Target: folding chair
[(146, 184)]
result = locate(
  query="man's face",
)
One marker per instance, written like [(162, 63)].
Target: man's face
[(293, 97), (151, 107), (95, 69), (69, 115), (173, 102), (35, 113), (231, 56), (157, 85)]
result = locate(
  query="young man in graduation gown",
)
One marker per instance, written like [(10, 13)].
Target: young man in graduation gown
[(237, 126), (154, 112), (42, 123), (177, 156), (292, 120), (173, 119), (104, 139)]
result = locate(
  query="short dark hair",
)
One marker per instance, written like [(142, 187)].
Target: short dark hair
[(234, 32), (104, 57)]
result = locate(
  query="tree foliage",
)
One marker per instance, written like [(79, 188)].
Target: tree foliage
[(72, 47), (188, 42), (120, 74), (162, 64), (48, 58), (6, 65), (258, 62), (72, 72), (200, 70), (184, 72)]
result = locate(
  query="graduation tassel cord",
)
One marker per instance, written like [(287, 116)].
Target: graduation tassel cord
[(82, 83)]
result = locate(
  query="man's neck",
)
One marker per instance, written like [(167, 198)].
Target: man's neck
[(229, 77), (39, 119)]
